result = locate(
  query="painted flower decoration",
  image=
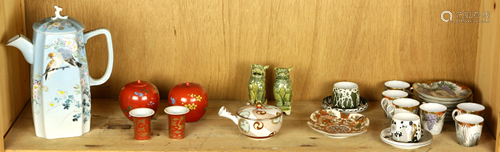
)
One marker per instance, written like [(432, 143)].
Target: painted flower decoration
[(173, 100), (140, 94), (151, 103), (52, 104), (198, 97), (36, 86), (61, 93), (82, 83), (56, 24), (439, 114), (191, 106)]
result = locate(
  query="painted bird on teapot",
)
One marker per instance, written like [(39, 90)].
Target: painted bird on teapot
[(257, 84), (283, 90)]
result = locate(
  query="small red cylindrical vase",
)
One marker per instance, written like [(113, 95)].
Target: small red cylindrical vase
[(176, 121), (142, 123)]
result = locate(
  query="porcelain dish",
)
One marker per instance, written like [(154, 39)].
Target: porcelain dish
[(417, 95), (335, 124), (328, 104), (443, 90), (425, 140)]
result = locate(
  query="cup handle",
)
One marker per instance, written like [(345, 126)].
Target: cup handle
[(455, 113), (391, 111), (109, 68), (411, 92), (384, 103)]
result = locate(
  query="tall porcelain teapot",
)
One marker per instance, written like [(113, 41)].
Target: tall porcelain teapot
[(60, 76)]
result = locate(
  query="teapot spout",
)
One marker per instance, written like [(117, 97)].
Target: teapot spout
[(224, 113), (24, 44)]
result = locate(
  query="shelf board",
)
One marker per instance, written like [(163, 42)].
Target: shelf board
[(112, 131)]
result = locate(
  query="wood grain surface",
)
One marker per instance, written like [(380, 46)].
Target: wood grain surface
[(487, 82), (112, 131), (14, 70), (213, 42)]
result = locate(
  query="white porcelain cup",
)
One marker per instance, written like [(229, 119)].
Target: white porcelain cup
[(468, 128), (405, 127), (468, 108), (432, 117), (388, 97), (397, 85), (403, 105)]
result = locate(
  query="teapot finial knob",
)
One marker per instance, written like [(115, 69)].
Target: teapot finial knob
[(57, 14)]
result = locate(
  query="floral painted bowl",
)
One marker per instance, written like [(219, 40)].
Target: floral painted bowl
[(335, 124), (443, 91)]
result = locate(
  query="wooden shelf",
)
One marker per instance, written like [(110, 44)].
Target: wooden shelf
[(112, 131)]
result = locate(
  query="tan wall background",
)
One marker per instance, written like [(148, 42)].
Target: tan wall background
[(214, 42), (14, 70)]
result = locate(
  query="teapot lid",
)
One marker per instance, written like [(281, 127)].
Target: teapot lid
[(259, 111), (58, 24)]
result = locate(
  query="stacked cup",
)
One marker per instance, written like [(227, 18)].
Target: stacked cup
[(398, 85), (388, 97), (403, 105), (468, 123)]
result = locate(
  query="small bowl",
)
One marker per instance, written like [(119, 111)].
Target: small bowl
[(335, 124)]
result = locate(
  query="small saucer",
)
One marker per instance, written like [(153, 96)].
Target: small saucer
[(335, 124), (425, 140), (327, 104), (335, 135)]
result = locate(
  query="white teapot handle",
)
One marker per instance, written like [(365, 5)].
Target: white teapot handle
[(107, 74)]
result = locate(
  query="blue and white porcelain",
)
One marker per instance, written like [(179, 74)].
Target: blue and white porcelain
[(59, 75)]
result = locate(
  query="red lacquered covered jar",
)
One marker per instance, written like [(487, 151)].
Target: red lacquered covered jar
[(138, 94), (191, 95)]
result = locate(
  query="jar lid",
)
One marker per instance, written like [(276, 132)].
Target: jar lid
[(259, 111), (58, 24), (138, 83), (188, 85)]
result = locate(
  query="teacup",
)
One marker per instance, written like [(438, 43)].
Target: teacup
[(345, 95), (432, 116), (404, 104), (389, 96), (398, 85), (468, 127), (469, 108), (405, 127)]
